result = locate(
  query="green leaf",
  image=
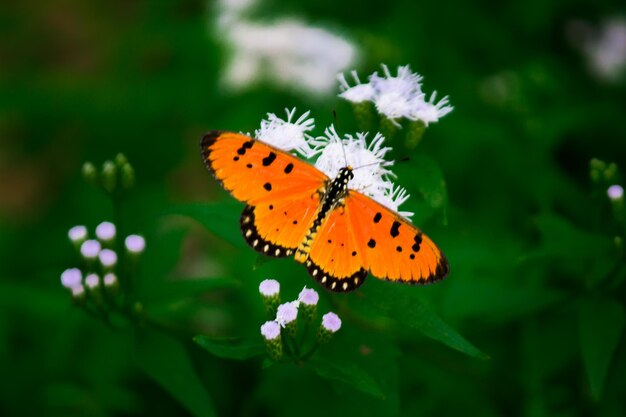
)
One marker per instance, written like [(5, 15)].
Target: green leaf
[(230, 348), (221, 219), (430, 193), (601, 323), (348, 373), (406, 306), (164, 359), (182, 288)]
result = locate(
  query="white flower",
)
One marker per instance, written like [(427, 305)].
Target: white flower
[(92, 281), (108, 258), (285, 134), (397, 97), (287, 53), (135, 243), (287, 313), (90, 249), (105, 231), (615, 192), (77, 234), (429, 111), (371, 176), (71, 278), (308, 296), (331, 322), (270, 330), (358, 93), (269, 287), (392, 198)]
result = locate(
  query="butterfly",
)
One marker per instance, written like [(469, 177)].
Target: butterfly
[(294, 209)]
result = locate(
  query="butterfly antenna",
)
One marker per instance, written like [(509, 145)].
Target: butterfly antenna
[(366, 165)]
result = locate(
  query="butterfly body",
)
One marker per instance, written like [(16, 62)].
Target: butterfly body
[(293, 209)]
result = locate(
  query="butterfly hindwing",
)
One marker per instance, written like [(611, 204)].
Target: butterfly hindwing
[(282, 192), (334, 258), (391, 247)]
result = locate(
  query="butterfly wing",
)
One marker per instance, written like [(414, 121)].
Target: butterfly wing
[(366, 236), (282, 192)]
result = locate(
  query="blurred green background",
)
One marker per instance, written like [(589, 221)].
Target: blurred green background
[(529, 322)]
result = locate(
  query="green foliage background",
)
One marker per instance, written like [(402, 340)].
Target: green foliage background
[(529, 322)]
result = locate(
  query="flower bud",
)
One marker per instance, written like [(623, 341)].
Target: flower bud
[(331, 323), (270, 291), (135, 244), (120, 159), (90, 173), (111, 284), (108, 259), (77, 235), (286, 316), (90, 249), (270, 331), (308, 299), (109, 176), (71, 278), (127, 176), (105, 231)]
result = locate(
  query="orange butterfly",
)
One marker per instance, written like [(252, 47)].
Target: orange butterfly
[(293, 208)]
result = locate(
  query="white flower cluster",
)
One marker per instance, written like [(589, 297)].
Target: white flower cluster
[(396, 97), (99, 258), (286, 52), (372, 176), (287, 312)]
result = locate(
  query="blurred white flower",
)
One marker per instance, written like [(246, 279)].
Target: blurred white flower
[(604, 47), (108, 258), (287, 53), (90, 249), (135, 243), (615, 192), (71, 278), (110, 279), (105, 231), (92, 281), (77, 234)]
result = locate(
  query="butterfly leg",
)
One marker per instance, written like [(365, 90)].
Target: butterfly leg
[(252, 237)]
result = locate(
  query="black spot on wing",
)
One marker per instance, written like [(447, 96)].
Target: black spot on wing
[(371, 243), (377, 217), (288, 168), (267, 161), (395, 229), (417, 242), (267, 186)]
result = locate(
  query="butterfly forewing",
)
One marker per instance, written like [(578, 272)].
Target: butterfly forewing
[(282, 191)]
